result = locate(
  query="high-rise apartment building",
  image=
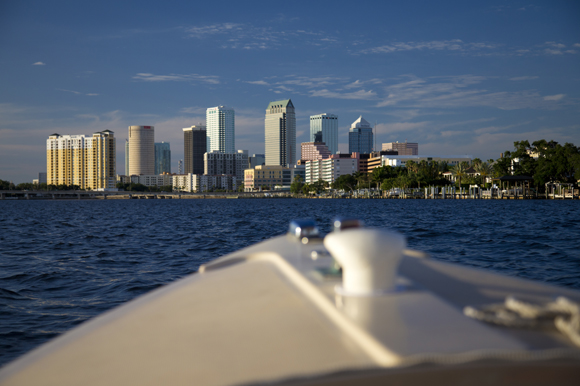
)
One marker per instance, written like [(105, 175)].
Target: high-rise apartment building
[(324, 128), (313, 150), (194, 147), (162, 158), (220, 122), (360, 137), (234, 164), (280, 128), (141, 150), (403, 148), (88, 162)]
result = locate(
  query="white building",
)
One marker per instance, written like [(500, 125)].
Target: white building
[(401, 160), (330, 169), (280, 132), (324, 128), (220, 129), (216, 163), (203, 183)]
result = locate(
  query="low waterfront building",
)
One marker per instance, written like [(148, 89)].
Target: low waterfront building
[(200, 183), (268, 176), (147, 180), (401, 160)]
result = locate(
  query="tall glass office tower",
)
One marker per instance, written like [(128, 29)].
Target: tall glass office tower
[(360, 137), (162, 158), (280, 130), (220, 123), (324, 128), (194, 147)]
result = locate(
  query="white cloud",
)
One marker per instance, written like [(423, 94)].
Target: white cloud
[(551, 51), (77, 92), (258, 82), (39, 64), (360, 94), (458, 92), (147, 77), (576, 45), (556, 97), (437, 45), (524, 78), (555, 45), (249, 37), (213, 29)]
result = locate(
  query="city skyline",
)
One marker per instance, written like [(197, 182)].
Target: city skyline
[(456, 77)]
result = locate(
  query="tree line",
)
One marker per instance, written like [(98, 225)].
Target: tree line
[(542, 160)]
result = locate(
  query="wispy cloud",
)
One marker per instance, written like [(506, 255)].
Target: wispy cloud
[(39, 64), (249, 37), (436, 45), (460, 91), (517, 78), (258, 82), (554, 48), (556, 97), (360, 94), (147, 77), (77, 92)]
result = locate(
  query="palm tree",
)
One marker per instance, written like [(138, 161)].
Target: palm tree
[(485, 170), (459, 171)]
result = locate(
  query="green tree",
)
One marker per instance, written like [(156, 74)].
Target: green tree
[(485, 170), (297, 184), (459, 172), (345, 182), (502, 166), (319, 186)]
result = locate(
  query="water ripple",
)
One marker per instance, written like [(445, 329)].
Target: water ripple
[(62, 263)]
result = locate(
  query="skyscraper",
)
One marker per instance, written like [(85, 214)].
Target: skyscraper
[(127, 157), (324, 128), (220, 123), (88, 162), (360, 137), (194, 147), (162, 158), (280, 125), (141, 150)]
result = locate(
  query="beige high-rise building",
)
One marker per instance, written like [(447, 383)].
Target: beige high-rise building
[(404, 148), (280, 125), (141, 150), (88, 162)]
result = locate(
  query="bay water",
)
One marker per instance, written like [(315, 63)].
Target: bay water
[(64, 262)]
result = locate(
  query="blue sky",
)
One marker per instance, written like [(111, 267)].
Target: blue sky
[(458, 77)]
